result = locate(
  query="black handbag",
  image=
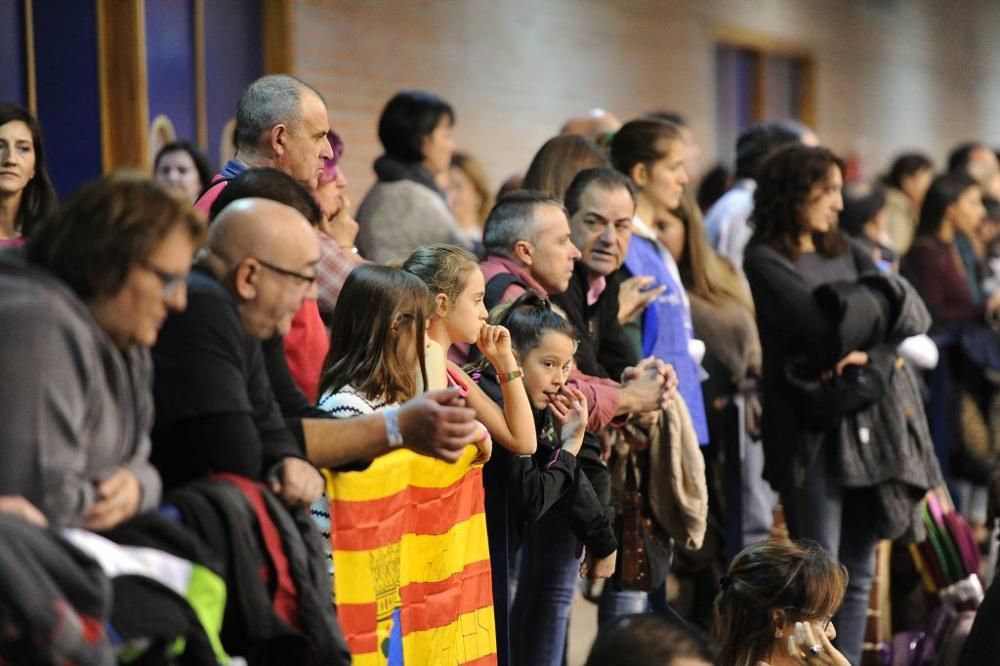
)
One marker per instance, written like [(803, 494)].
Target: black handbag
[(823, 402)]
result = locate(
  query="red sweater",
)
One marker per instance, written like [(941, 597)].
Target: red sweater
[(306, 346)]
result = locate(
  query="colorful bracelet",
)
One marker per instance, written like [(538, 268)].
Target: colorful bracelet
[(510, 376)]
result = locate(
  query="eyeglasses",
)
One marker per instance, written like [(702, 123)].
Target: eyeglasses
[(823, 620), (302, 278), (170, 281)]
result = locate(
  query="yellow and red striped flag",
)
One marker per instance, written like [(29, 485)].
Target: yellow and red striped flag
[(411, 561)]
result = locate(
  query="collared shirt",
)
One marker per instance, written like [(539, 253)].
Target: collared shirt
[(335, 264), (232, 169), (595, 289), (727, 223)]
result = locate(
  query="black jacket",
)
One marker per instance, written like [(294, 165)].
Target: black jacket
[(215, 406), (797, 330), (54, 599), (224, 517), (550, 479), (603, 349)]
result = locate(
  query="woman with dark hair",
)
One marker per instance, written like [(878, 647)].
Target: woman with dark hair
[(181, 167), (944, 267), (81, 306), (906, 183), (777, 605), (26, 193), (557, 162), (653, 305), (941, 262), (652, 154), (865, 219), (796, 248), (405, 208)]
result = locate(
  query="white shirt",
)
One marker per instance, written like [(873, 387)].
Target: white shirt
[(727, 223)]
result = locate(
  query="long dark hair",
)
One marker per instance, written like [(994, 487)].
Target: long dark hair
[(795, 577), (784, 182), (942, 193), (38, 200), (642, 142), (528, 318), (407, 119), (200, 161), (906, 165), (363, 351)]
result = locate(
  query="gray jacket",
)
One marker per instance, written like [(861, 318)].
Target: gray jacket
[(74, 407), (888, 445), (397, 217)]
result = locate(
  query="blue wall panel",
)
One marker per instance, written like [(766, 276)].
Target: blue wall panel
[(68, 93), (13, 76), (170, 64), (233, 59)]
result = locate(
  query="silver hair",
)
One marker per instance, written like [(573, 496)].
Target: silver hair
[(270, 100), (514, 218)]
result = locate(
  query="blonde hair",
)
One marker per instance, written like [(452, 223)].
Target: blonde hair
[(473, 170), (444, 268)]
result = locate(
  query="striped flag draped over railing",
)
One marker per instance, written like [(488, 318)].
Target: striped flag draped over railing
[(411, 561)]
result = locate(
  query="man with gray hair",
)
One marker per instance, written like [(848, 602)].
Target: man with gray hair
[(527, 237), (282, 123), (529, 246)]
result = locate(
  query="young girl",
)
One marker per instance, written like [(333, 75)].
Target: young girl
[(375, 361), (521, 489), (458, 315)]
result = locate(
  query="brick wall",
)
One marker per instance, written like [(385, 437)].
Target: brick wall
[(891, 74)]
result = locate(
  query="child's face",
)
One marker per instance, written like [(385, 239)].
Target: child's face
[(546, 368), (468, 313)]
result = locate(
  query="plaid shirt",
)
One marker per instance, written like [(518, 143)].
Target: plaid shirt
[(335, 264)]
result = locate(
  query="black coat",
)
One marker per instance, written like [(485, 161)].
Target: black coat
[(236, 528), (800, 340), (528, 487)]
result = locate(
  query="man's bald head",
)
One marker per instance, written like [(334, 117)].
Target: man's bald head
[(595, 125), (268, 253), (254, 227)]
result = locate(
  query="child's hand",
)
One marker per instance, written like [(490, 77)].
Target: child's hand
[(570, 411), (494, 343), (485, 445)]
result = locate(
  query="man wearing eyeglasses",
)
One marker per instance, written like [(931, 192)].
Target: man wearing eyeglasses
[(216, 409)]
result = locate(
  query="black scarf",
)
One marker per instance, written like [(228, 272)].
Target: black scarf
[(389, 170)]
